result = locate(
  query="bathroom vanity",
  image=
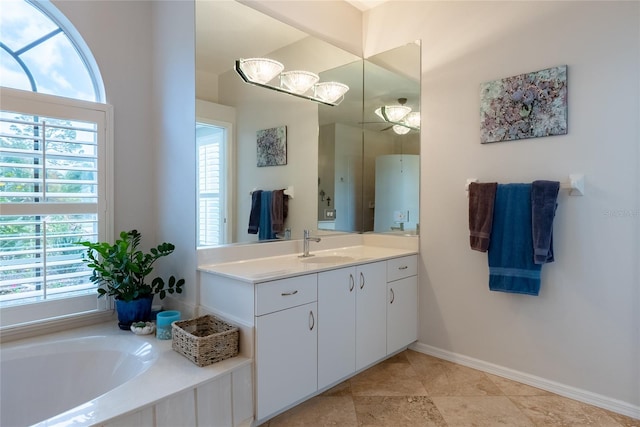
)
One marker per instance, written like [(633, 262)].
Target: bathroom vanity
[(317, 320)]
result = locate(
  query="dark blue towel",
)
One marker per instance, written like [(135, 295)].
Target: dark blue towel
[(254, 215), (265, 232), (544, 195), (511, 266)]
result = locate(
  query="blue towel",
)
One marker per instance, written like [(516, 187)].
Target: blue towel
[(265, 232), (511, 266), (254, 215), (544, 195)]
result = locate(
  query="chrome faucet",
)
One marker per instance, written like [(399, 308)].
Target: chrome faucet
[(305, 244)]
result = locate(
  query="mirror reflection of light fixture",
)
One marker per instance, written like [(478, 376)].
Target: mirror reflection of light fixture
[(400, 116), (392, 113), (412, 119), (298, 81), (260, 71), (400, 129)]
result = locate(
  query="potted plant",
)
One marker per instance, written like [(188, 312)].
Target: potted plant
[(120, 270)]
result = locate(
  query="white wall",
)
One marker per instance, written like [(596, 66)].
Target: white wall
[(145, 51), (120, 38), (173, 107), (582, 331)]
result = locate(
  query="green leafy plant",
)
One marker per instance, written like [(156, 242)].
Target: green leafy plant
[(121, 269)]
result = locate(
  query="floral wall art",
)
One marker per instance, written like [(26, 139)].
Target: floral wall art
[(272, 146), (524, 106)]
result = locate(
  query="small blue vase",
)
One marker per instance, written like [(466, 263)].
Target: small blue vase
[(138, 310)]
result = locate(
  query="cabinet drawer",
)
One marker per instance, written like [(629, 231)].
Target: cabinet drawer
[(399, 268), (286, 293)]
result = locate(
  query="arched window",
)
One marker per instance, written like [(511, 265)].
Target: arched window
[(55, 166), (42, 52)]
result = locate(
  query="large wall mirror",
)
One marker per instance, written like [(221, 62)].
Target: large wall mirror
[(369, 163), (326, 172)]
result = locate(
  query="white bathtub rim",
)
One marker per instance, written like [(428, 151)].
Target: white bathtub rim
[(143, 350), (170, 374)]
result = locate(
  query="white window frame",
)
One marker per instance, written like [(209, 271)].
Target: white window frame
[(220, 116), (78, 309)]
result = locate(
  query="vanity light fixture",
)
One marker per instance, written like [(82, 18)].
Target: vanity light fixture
[(298, 81), (303, 84), (330, 91), (261, 70)]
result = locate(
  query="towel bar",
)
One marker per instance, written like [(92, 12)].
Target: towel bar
[(288, 191), (575, 184)]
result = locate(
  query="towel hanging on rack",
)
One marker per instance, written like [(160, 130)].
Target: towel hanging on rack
[(511, 266), (481, 201), (269, 210), (544, 195), (264, 232), (277, 211), (254, 215)]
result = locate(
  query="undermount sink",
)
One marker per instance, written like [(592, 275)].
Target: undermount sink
[(327, 259)]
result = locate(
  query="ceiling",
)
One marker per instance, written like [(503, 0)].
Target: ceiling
[(365, 4)]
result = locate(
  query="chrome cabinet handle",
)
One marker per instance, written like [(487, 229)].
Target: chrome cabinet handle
[(361, 280), (286, 294), (404, 267), (312, 321), (352, 283), (393, 296)]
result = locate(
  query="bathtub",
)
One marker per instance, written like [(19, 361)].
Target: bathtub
[(41, 380), (100, 375)]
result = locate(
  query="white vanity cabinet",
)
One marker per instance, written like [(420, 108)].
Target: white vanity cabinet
[(336, 325), (402, 303), (311, 325), (351, 316), (286, 342), (371, 317)]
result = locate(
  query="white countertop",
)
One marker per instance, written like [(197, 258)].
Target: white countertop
[(265, 269)]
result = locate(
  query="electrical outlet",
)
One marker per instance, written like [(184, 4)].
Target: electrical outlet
[(329, 214)]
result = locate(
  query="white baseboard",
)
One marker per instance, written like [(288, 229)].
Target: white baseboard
[(584, 396)]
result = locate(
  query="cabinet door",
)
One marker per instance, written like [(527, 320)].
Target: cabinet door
[(336, 325), (286, 358), (402, 313), (371, 313)]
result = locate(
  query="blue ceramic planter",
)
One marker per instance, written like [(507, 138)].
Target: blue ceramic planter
[(138, 310)]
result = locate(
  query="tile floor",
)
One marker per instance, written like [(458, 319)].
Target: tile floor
[(413, 389)]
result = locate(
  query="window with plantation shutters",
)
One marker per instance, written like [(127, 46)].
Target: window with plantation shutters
[(53, 193), (55, 167)]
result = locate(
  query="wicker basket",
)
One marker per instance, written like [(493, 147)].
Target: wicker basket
[(205, 339)]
